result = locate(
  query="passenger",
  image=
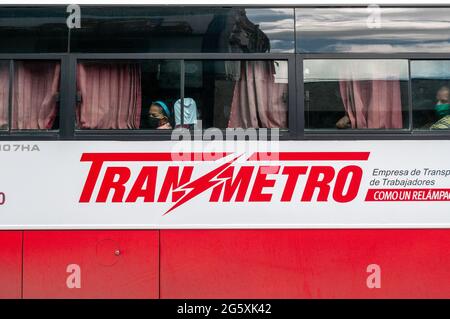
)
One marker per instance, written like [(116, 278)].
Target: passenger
[(442, 109), (344, 123), (158, 116)]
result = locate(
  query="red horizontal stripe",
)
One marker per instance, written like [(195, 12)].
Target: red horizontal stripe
[(408, 194), (310, 156), (151, 157)]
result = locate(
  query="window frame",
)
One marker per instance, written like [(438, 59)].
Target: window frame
[(37, 134), (411, 86), (368, 134), (362, 6), (201, 7), (286, 134), (400, 131)]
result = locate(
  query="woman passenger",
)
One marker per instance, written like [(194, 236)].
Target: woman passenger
[(158, 116)]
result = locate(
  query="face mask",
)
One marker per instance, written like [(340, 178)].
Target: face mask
[(152, 122)]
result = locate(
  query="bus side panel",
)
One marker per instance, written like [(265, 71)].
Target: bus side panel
[(230, 264), (10, 264), (91, 264), (305, 263)]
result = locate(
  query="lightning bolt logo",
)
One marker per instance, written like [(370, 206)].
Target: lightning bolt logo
[(202, 184)]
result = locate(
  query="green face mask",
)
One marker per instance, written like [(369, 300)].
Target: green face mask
[(442, 109)]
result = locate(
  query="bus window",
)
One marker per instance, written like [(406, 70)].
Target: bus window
[(277, 24), (373, 29), (116, 29), (356, 94), (33, 29), (35, 98), (146, 94), (127, 94), (4, 94), (431, 94), (236, 93)]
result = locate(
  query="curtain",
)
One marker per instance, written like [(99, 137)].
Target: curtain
[(4, 95), (257, 100), (35, 94), (110, 95), (372, 104)]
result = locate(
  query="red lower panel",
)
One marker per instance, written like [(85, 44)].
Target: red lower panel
[(10, 264), (305, 263), (91, 264)]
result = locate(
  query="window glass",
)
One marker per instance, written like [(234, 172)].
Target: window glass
[(235, 94), (430, 94), (127, 94), (33, 29), (277, 25), (356, 94), (4, 94), (146, 94), (373, 29), (35, 97), (183, 29)]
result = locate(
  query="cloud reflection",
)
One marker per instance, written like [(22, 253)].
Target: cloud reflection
[(345, 30)]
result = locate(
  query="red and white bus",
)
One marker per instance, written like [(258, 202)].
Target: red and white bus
[(216, 151)]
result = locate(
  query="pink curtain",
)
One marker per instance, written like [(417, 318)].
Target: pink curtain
[(257, 100), (35, 94), (373, 104), (4, 95), (110, 95)]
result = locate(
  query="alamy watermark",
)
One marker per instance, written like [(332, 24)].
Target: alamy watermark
[(73, 21), (374, 17), (214, 142)]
